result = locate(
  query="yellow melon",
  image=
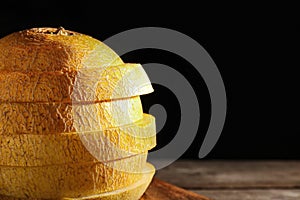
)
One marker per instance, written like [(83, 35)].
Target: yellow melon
[(72, 180), (45, 118), (49, 149), (71, 120), (91, 84), (131, 192), (52, 49)]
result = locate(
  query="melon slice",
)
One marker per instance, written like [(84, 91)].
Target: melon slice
[(110, 144), (74, 180), (131, 192), (45, 118), (87, 85)]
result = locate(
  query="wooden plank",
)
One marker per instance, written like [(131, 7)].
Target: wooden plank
[(232, 174), (265, 194), (160, 190)]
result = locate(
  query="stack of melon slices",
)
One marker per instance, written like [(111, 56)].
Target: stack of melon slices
[(71, 119)]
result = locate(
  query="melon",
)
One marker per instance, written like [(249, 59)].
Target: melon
[(46, 118), (71, 119), (51, 149)]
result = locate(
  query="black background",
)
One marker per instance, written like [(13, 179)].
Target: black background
[(254, 47)]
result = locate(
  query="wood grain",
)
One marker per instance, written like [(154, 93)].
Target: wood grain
[(235, 180), (233, 174), (254, 194)]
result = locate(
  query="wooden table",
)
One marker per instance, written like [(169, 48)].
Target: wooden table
[(228, 180)]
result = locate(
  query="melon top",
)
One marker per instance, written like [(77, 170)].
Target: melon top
[(53, 49)]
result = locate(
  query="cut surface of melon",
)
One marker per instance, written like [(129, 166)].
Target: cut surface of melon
[(45, 118), (51, 182), (49, 149)]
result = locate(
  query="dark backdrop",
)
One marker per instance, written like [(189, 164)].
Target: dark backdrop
[(254, 49)]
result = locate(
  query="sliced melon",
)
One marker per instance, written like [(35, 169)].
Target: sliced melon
[(89, 85), (110, 144), (44, 118), (52, 49), (131, 192), (47, 64), (75, 180)]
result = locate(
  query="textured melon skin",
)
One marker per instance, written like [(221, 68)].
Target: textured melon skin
[(73, 180), (37, 50), (64, 148), (46, 118), (131, 192), (86, 85), (37, 66)]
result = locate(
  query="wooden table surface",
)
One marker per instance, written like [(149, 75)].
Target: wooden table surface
[(234, 180)]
